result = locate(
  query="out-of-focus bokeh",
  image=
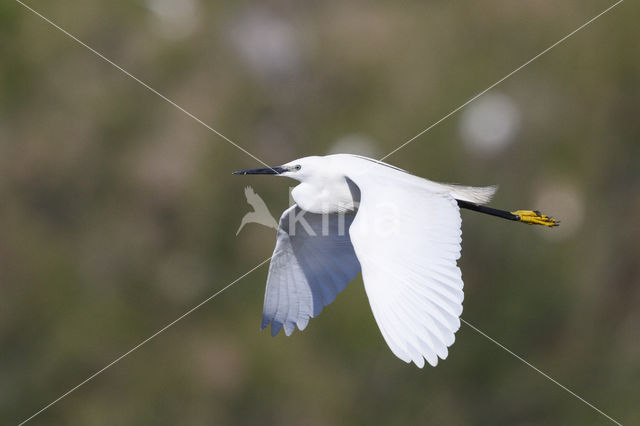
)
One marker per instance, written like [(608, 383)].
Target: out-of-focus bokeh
[(118, 212)]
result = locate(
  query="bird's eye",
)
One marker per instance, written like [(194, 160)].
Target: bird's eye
[(297, 167)]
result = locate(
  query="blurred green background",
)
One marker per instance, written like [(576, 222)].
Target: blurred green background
[(118, 212)]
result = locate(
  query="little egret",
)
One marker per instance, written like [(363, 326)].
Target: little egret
[(353, 214)]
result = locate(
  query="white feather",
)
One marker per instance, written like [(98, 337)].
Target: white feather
[(308, 269), (472, 194), (410, 273)]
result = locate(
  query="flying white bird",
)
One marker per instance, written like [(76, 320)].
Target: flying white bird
[(403, 232), (260, 213)]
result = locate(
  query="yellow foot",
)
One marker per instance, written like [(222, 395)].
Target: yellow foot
[(534, 217)]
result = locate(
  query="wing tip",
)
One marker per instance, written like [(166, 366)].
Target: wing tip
[(289, 327), (275, 328), (302, 323)]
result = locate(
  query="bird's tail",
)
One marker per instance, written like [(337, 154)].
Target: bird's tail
[(473, 194)]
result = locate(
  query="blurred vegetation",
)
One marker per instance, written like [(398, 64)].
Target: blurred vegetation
[(119, 211)]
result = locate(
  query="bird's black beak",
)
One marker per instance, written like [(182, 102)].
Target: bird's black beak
[(267, 171)]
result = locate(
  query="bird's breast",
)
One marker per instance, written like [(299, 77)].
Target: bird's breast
[(327, 197)]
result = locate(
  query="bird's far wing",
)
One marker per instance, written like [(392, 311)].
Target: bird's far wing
[(311, 264), (407, 238)]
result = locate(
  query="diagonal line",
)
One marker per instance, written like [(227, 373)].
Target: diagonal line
[(163, 329), (145, 85), (540, 371), (502, 79)]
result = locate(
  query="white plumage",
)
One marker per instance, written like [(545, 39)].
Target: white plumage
[(403, 232)]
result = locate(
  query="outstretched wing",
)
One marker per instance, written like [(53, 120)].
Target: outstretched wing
[(407, 238), (313, 261)]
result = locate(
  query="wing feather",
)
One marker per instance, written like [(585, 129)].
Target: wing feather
[(308, 269), (407, 237)]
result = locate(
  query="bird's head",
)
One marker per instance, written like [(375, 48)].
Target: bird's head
[(299, 169)]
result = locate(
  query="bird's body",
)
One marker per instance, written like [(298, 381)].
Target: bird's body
[(403, 232), (326, 188)]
